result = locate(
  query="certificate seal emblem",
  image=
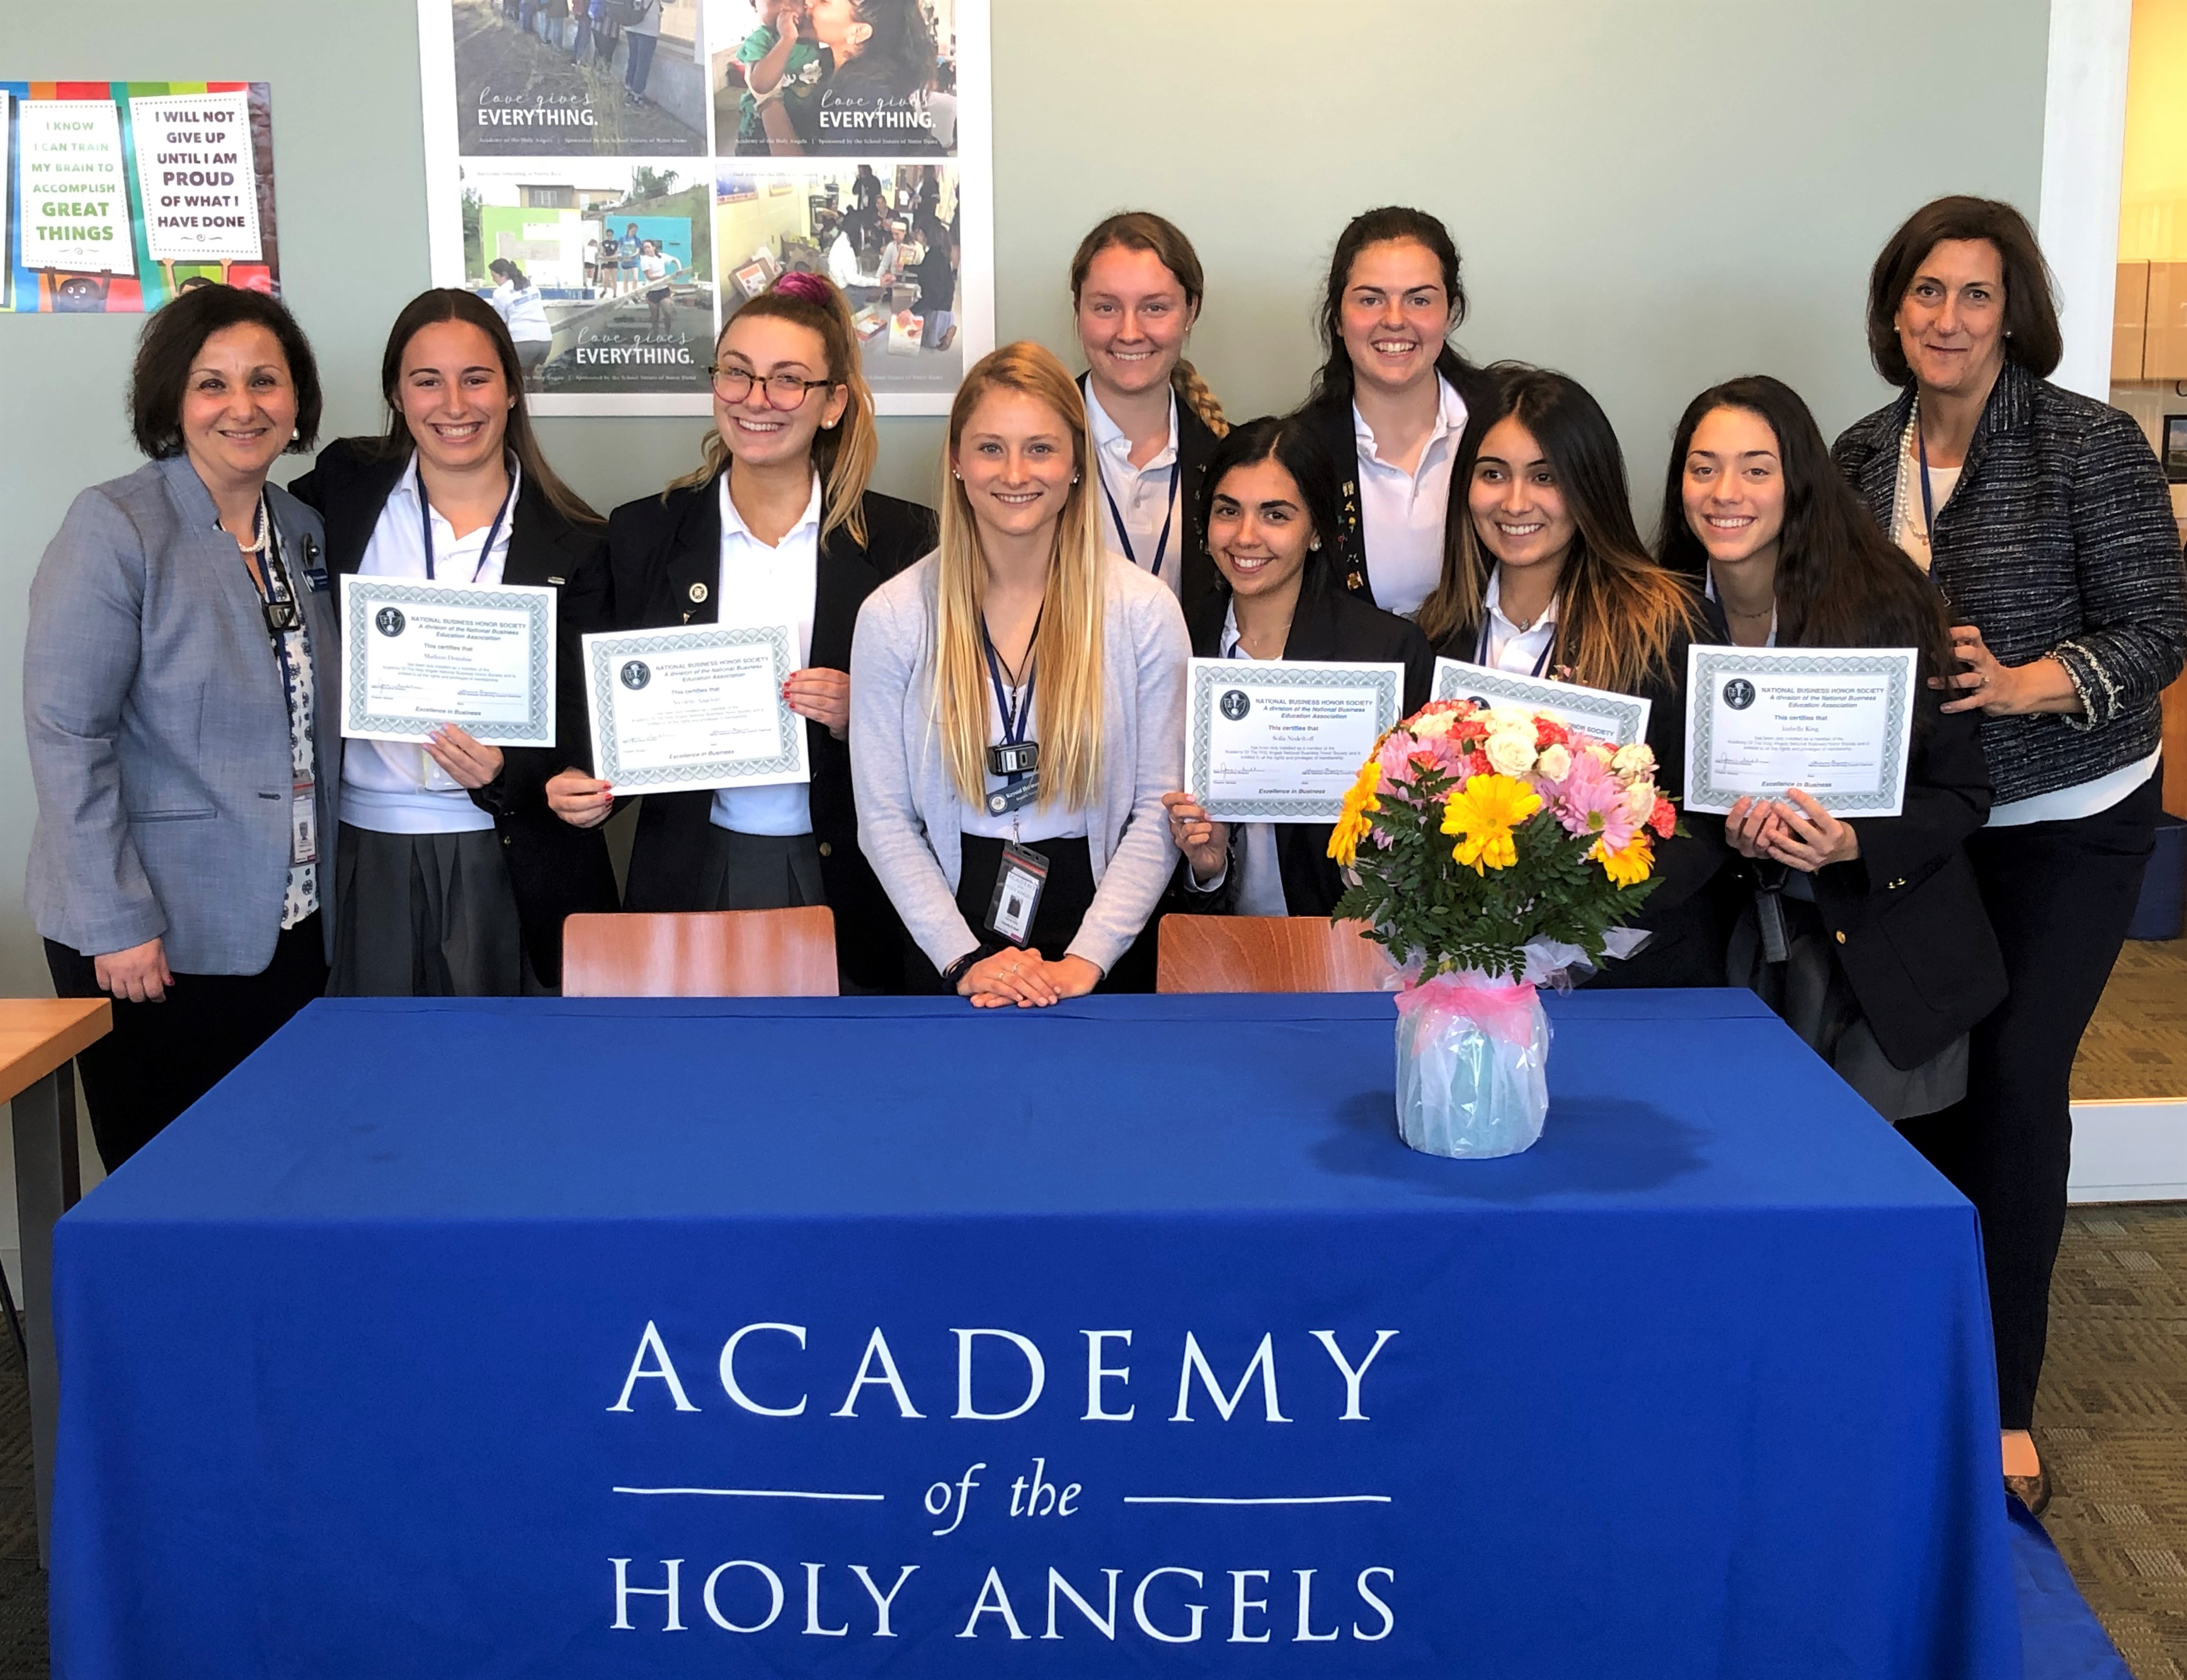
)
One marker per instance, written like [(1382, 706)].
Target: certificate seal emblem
[(388, 621), (1739, 693), (635, 673), (1234, 704)]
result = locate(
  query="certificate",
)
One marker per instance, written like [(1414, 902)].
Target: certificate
[(699, 705), (1832, 722), (1282, 740), (1618, 719), (417, 654)]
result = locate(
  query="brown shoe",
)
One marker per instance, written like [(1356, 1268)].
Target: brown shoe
[(2031, 1491)]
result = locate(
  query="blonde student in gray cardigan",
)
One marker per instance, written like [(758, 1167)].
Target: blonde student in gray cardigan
[(1017, 712), (910, 809)]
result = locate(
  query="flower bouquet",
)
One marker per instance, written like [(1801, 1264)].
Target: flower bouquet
[(1491, 849)]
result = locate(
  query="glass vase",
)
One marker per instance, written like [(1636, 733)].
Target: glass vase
[(1473, 1058)]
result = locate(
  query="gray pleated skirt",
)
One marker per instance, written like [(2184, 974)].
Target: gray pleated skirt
[(1809, 990), (759, 872), (425, 916)]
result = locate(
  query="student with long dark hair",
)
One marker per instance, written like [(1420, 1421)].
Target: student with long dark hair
[(1547, 576), (1868, 934), (1136, 288), (453, 880), (1269, 505), (776, 526), (1395, 404)]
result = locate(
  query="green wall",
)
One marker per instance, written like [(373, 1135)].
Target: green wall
[(1651, 194)]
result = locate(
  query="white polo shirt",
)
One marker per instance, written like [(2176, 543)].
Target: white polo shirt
[(759, 584), (1146, 496), (1402, 513), (1509, 648), (394, 787)]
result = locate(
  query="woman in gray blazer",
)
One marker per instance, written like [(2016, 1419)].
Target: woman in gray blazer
[(1017, 711), (180, 694)]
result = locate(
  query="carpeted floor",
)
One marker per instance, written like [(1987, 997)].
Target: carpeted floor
[(2137, 1045)]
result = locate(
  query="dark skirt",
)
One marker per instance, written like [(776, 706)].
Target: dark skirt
[(1809, 991), (1063, 905), (425, 916), (759, 872)]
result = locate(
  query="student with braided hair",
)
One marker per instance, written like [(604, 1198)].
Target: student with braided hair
[(1136, 285)]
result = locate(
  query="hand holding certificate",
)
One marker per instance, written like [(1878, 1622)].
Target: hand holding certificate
[(416, 655), (1618, 719), (1833, 722), (1281, 740), (694, 706)]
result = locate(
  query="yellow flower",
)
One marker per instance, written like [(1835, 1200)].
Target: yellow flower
[(1485, 812), (1628, 866), (1352, 827)]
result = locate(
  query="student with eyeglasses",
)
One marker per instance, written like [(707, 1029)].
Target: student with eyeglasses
[(775, 526)]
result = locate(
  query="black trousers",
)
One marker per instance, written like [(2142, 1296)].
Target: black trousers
[(162, 1057), (2060, 895), (1063, 902)]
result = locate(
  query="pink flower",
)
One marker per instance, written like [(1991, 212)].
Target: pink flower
[(1591, 800), (1395, 755)]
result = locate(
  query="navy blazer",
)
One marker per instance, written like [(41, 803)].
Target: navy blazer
[(1328, 624), (158, 726), (555, 870), (1331, 422), (659, 548)]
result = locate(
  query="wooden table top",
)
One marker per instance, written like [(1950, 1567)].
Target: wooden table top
[(39, 1034)]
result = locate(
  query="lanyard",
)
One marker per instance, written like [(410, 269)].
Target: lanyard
[(1014, 718), (1481, 653), (1928, 506), (485, 553), (1169, 514), (277, 590)]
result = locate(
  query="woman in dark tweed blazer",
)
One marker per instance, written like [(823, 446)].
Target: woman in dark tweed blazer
[(2043, 517)]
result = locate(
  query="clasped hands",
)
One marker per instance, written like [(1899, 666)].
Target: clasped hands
[(1027, 980), (1795, 831)]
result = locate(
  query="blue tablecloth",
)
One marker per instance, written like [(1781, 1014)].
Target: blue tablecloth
[(525, 1339)]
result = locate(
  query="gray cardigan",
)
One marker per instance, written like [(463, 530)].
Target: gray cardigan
[(909, 806), (159, 729)]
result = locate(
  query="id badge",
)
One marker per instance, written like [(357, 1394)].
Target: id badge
[(303, 825), (1018, 886), (1014, 797)]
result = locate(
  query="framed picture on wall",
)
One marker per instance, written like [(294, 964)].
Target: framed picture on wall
[(2175, 449)]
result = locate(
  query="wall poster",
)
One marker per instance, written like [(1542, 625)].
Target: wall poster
[(651, 165), (119, 195)]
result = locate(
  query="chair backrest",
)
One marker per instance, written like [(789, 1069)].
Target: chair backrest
[(1267, 954), (701, 953)]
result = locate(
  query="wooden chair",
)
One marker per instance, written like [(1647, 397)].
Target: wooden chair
[(701, 953), (1267, 954)]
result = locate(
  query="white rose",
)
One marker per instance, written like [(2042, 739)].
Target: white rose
[(1512, 751), (1640, 801), (1555, 763), (1636, 760), (1516, 719), (1601, 753), (1432, 727)]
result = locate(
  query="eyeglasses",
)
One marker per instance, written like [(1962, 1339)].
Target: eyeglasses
[(783, 391)]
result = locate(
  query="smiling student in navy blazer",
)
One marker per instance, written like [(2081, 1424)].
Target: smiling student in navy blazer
[(454, 877), (777, 526), (1270, 512)]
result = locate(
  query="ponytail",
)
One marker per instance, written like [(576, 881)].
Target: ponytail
[(1193, 391)]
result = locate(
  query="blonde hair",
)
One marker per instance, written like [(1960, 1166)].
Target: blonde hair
[(1143, 230), (1066, 650), (844, 456)]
